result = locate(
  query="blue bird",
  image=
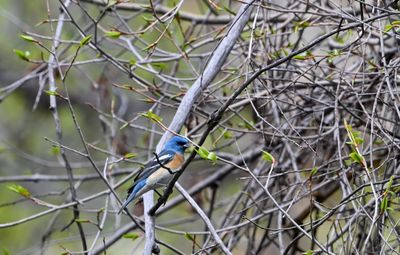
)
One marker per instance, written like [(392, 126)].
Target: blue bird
[(159, 170)]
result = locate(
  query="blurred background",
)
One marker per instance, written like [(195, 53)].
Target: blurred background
[(311, 146)]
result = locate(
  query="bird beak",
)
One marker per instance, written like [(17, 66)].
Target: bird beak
[(187, 145)]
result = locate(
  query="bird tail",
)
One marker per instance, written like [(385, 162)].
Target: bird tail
[(123, 206), (132, 196)]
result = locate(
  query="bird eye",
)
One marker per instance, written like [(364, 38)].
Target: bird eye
[(182, 143)]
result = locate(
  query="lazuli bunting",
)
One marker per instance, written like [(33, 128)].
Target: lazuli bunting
[(159, 170)]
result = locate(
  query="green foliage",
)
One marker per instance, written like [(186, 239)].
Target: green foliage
[(53, 93), (113, 34), (190, 237), (85, 40), (313, 171), (152, 116), (387, 196), (343, 39), (20, 190), (227, 134), (301, 24), (130, 155), (304, 55), (268, 157), (28, 38), (206, 154), (355, 141), (132, 236), (394, 25), (332, 54), (159, 65), (132, 61), (24, 55), (384, 204), (55, 150), (356, 157)]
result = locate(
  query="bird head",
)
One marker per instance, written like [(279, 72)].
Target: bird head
[(177, 144)]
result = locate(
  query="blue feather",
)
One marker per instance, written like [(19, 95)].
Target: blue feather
[(138, 186), (176, 145)]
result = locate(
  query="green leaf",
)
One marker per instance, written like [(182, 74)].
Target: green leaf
[(130, 155), (267, 156), (114, 34), (6, 252), (309, 252), (301, 56), (152, 116), (132, 236), (132, 62), (389, 185), (330, 60), (336, 52), (301, 24), (358, 140), (22, 55), (206, 154), (228, 134), (159, 65), (203, 152), (357, 157), (348, 162), (28, 38), (51, 93), (20, 190), (190, 237), (85, 40), (388, 28), (304, 55), (212, 156), (313, 171), (384, 204), (55, 150)]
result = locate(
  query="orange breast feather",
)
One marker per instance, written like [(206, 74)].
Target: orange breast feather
[(176, 162)]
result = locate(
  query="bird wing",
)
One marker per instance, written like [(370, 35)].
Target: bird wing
[(164, 158)]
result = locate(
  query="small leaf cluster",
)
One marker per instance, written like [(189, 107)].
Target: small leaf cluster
[(206, 154), (387, 195), (152, 116), (20, 190), (393, 25), (355, 142)]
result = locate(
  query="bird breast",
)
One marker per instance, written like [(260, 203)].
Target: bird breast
[(162, 176)]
